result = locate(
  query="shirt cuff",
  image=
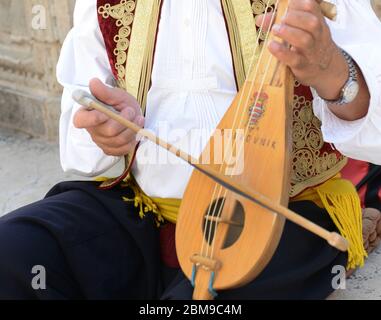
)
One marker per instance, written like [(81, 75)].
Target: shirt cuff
[(339, 131)]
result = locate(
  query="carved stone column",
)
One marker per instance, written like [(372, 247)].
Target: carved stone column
[(29, 93)]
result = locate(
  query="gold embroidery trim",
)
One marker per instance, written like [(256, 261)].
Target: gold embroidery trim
[(123, 13), (140, 57), (137, 22), (135, 42), (259, 7), (243, 33), (310, 167)]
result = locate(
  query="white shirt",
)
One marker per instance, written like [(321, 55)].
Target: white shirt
[(193, 85)]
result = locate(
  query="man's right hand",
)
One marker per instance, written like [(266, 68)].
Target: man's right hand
[(113, 138)]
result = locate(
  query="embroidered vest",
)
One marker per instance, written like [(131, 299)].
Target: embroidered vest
[(129, 28)]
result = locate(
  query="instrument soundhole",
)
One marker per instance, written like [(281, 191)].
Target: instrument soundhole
[(227, 217)]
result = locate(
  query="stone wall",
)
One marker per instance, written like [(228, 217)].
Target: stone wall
[(29, 93)]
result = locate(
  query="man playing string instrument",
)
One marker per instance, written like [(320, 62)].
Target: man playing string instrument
[(178, 65)]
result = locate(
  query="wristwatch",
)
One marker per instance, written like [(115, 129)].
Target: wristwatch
[(351, 88)]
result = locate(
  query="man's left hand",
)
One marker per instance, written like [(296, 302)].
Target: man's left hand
[(313, 57), (308, 48)]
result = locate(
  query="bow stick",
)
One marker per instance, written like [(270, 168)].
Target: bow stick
[(333, 238)]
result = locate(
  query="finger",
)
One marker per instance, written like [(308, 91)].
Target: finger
[(84, 118), (118, 152), (304, 21), (297, 38), (112, 132), (115, 97), (140, 121), (289, 57), (311, 6), (112, 128), (265, 21), (124, 138)]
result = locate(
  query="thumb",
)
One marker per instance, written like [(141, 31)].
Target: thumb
[(100, 91), (115, 97)]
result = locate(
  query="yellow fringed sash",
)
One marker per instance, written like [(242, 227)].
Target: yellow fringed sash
[(338, 196), (164, 209)]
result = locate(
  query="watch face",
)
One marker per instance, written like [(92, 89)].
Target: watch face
[(351, 91)]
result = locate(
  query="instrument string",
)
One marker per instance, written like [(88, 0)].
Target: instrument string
[(208, 223), (267, 69), (219, 213)]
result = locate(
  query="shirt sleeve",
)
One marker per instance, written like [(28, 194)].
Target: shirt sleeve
[(83, 57), (357, 30)]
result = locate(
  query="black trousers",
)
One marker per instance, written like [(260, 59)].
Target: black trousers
[(93, 245)]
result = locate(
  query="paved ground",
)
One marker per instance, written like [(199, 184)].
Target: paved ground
[(29, 168)]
